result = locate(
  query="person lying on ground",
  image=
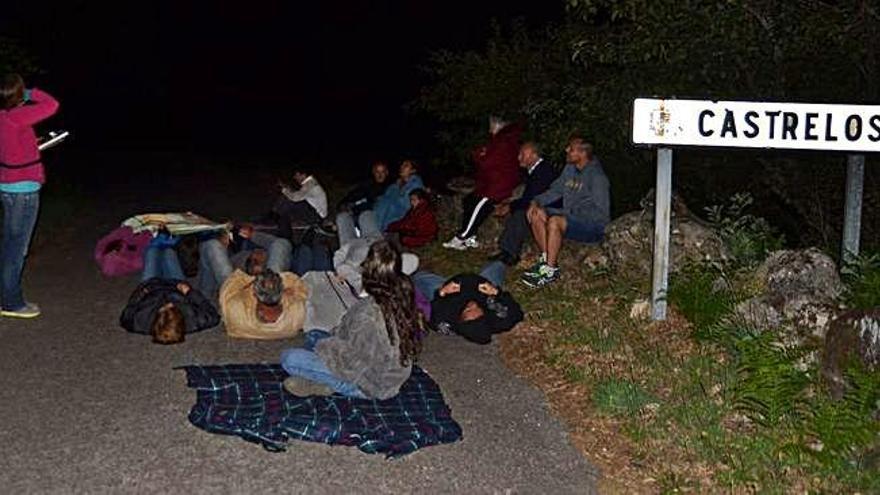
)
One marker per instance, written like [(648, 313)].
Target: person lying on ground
[(496, 176), (167, 309), (362, 196), (473, 306), (301, 208), (371, 352), (262, 303), (220, 255), (21, 178), (586, 209), (419, 226), (540, 173), (394, 203)]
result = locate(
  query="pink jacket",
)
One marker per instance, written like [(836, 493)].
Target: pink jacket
[(18, 141)]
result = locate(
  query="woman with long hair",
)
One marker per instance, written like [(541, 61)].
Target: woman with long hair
[(371, 352), (21, 177)]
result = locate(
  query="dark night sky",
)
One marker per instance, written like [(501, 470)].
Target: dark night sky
[(304, 79)]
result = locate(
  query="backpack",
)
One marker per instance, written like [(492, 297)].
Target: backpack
[(121, 252)]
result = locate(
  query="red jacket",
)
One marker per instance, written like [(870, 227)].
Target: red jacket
[(18, 142), (497, 164), (417, 228)]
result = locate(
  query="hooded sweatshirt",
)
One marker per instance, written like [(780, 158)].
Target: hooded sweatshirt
[(501, 312), (138, 315), (585, 194)]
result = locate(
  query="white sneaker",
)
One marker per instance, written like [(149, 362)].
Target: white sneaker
[(471, 242), (455, 243)]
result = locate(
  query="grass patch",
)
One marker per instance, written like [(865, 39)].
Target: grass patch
[(601, 340), (620, 397)]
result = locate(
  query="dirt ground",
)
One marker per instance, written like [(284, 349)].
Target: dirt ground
[(89, 408)]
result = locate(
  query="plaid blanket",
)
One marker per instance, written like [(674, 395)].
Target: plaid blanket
[(248, 400)]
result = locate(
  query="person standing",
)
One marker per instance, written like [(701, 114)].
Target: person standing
[(21, 177)]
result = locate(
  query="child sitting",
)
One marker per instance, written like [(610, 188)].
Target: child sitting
[(419, 226)]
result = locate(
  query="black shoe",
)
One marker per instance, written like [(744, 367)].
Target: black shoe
[(505, 257)]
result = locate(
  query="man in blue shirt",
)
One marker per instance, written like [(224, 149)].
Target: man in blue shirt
[(586, 209)]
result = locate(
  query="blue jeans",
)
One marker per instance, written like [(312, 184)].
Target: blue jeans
[(162, 263), (311, 258), (429, 283), (366, 223), (215, 265), (19, 219), (303, 362)]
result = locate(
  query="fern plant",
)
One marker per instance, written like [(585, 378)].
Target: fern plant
[(861, 275), (748, 237), (845, 426), (770, 385)]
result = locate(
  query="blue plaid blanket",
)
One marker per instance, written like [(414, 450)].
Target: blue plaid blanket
[(249, 401)]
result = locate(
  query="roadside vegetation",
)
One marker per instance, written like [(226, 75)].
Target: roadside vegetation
[(698, 403)]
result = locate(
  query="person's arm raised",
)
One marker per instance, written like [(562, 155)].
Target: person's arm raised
[(42, 106)]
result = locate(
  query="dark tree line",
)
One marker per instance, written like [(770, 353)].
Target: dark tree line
[(583, 73)]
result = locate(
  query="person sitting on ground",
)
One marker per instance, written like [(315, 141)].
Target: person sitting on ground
[(585, 193), (301, 208), (419, 226), (540, 173), (363, 196), (496, 176), (394, 203), (470, 305), (371, 352), (167, 309), (262, 303)]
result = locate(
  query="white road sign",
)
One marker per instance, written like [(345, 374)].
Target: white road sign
[(744, 124)]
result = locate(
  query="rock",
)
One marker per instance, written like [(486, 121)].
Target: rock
[(798, 300), (809, 272), (629, 243), (640, 310), (757, 314), (854, 334)]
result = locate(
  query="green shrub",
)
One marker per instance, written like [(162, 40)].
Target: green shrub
[(771, 386), (748, 237), (861, 275), (620, 397), (693, 293)]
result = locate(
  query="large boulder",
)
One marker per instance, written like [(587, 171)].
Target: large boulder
[(799, 295), (629, 243), (854, 335)]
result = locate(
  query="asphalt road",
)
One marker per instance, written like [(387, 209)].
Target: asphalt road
[(89, 408)]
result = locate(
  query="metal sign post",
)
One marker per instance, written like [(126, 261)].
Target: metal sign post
[(662, 205), (748, 124), (852, 216)]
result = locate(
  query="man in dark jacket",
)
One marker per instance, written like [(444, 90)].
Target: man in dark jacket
[(470, 305), (154, 294), (539, 175), (495, 178), (361, 197)]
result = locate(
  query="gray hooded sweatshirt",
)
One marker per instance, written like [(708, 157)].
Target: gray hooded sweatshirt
[(586, 194)]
